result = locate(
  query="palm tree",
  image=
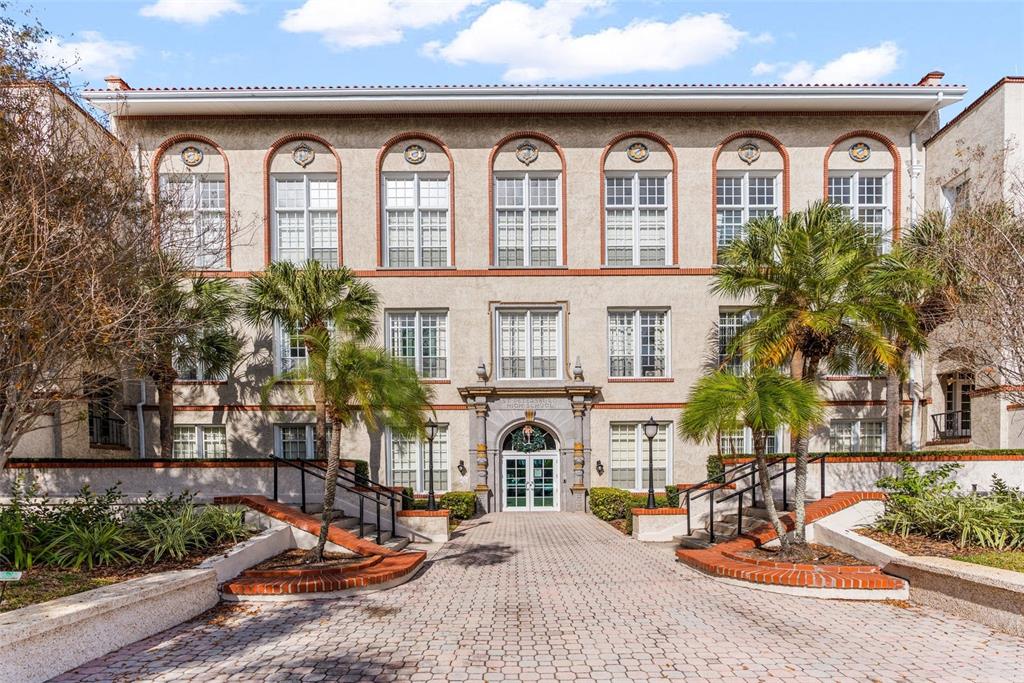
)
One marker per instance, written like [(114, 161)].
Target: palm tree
[(818, 284), (196, 332), (309, 302), (359, 382), (762, 400)]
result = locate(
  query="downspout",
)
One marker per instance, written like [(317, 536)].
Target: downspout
[(916, 365), (139, 417)]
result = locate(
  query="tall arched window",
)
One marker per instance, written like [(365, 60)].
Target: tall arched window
[(860, 176)]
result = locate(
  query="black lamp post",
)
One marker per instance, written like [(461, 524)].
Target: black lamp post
[(431, 433), (650, 431)]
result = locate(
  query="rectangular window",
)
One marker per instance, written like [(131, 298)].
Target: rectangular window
[(629, 456), (864, 196), (295, 442), (861, 436), (409, 460), (200, 441), (638, 343), (529, 344), (527, 221), (636, 214), (730, 323), (740, 441), (420, 339), (198, 219), (291, 348), (741, 197), (416, 221), (305, 218)]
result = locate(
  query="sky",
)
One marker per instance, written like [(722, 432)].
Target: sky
[(194, 43)]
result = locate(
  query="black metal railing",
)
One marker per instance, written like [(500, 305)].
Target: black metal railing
[(107, 431), (955, 424), (367, 490), (744, 474)]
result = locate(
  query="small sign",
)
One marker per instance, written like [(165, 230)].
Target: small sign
[(10, 576)]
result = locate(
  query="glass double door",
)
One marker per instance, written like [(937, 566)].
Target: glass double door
[(531, 482)]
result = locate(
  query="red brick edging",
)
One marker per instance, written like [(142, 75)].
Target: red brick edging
[(373, 572), (694, 487), (724, 559), (423, 513), (658, 511)]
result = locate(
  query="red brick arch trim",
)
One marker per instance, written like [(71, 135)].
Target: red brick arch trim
[(268, 158), (761, 135), (155, 180), (896, 166), (650, 135), (415, 135), (525, 134)]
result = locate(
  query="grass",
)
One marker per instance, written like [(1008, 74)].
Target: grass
[(1014, 561), (43, 584)]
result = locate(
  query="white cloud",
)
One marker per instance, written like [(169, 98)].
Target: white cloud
[(366, 23), (93, 55), (763, 39), (537, 43), (191, 11), (867, 65)]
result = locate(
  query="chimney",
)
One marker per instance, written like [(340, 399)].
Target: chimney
[(931, 78), (115, 82)]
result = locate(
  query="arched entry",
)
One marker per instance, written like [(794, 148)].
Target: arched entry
[(530, 472)]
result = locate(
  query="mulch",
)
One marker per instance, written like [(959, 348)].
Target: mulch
[(815, 554), (920, 545), (293, 559)]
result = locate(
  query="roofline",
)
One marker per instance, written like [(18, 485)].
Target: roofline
[(355, 98), (52, 87), (970, 107)]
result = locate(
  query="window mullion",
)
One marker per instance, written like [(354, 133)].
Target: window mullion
[(528, 333), (636, 218), (637, 332), (527, 244), (418, 333)]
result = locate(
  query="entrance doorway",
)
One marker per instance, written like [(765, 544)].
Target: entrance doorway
[(531, 482)]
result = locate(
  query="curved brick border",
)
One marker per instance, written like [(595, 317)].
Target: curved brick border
[(375, 572), (724, 559)]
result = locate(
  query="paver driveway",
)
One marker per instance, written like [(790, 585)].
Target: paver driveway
[(542, 596)]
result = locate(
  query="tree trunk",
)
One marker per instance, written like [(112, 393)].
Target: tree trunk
[(808, 372), (893, 411), (320, 428), (330, 488), (766, 489), (164, 380)]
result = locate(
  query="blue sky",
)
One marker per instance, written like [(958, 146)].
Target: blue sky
[(397, 42)]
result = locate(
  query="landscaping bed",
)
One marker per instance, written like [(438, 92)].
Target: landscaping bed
[(917, 545), (816, 554), (294, 559)]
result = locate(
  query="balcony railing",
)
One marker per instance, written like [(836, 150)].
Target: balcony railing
[(956, 424), (107, 431)]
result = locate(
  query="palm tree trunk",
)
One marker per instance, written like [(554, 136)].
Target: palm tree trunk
[(164, 381), (320, 427), (330, 489), (809, 371), (766, 489), (893, 414)]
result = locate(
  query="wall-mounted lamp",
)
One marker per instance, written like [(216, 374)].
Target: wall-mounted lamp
[(600, 468), (462, 467)]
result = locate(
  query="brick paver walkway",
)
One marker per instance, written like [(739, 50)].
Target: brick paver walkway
[(541, 596)]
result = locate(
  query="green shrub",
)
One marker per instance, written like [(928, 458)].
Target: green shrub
[(103, 543), (671, 496), (408, 498), (221, 524), (610, 503), (926, 503), (362, 472), (716, 468), (639, 500), (461, 504), (174, 536)]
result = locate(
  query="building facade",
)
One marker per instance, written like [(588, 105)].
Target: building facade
[(543, 255)]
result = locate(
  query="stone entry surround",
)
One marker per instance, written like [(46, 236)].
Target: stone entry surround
[(543, 597)]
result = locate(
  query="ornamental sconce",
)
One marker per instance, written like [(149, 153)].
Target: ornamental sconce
[(462, 467), (191, 156), (600, 468), (860, 151), (415, 154), (637, 152), (749, 153)]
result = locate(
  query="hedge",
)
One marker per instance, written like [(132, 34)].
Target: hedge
[(461, 504)]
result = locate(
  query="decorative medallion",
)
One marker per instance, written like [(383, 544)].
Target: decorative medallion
[(415, 154), (749, 152), (191, 156), (860, 151), (638, 152), (303, 155), (527, 153)]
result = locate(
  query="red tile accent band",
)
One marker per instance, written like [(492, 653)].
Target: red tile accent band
[(951, 456), (423, 513), (657, 512)]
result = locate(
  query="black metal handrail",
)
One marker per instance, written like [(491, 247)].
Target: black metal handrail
[(364, 487), (952, 424), (786, 469), (712, 485)]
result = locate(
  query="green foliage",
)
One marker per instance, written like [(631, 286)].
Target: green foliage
[(362, 471), (609, 503), (1014, 561), (461, 504), (99, 544), (928, 504), (408, 498), (716, 468), (671, 496)]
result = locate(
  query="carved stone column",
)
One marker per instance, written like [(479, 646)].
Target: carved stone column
[(579, 409), (481, 446)]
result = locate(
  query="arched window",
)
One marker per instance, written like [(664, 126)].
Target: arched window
[(860, 176), (528, 439)]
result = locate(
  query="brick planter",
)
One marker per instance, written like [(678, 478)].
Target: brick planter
[(658, 525), (428, 525)]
